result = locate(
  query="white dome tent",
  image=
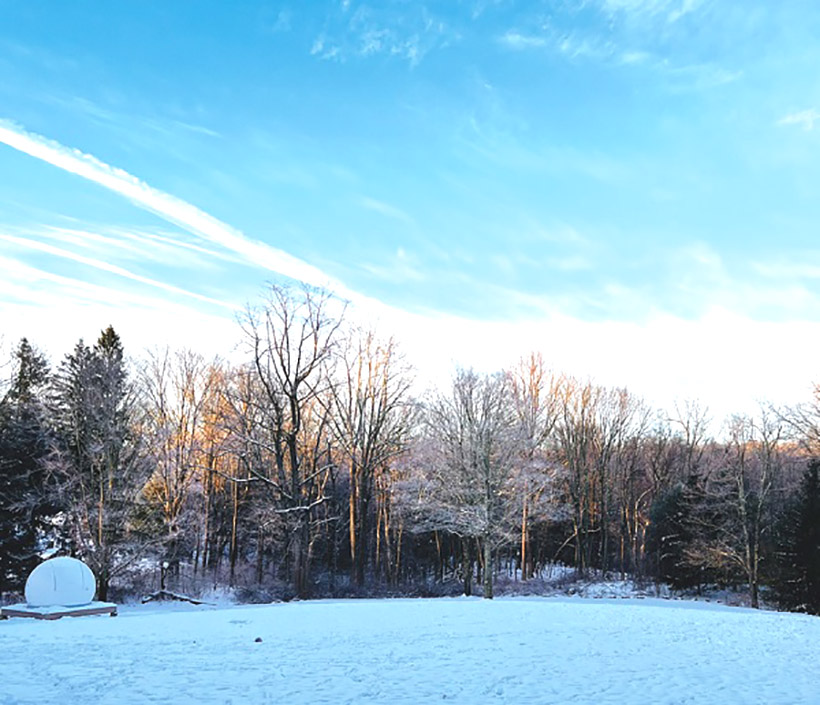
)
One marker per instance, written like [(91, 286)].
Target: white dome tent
[(60, 581), (60, 587)]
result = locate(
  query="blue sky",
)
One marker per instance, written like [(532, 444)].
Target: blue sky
[(630, 185)]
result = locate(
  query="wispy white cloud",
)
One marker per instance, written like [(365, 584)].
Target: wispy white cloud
[(190, 127), (321, 49), (572, 263), (634, 58), (402, 267), (170, 249), (765, 291), (685, 7), (172, 209), (408, 31), (627, 34), (385, 209), (652, 10), (44, 247), (283, 21), (519, 40), (42, 287), (125, 122), (498, 137), (703, 363), (561, 233), (133, 244), (696, 77), (577, 45), (636, 348), (54, 310), (785, 269), (479, 7), (570, 44), (801, 118)]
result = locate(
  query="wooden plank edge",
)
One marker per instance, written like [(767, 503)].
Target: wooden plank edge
[(6, 613)]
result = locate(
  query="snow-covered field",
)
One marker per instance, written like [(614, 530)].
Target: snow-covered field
[(521, 650)]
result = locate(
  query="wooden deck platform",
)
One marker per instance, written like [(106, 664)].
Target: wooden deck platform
[(56, 611)]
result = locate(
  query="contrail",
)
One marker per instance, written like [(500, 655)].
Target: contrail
[(106, 267), (166, 206)]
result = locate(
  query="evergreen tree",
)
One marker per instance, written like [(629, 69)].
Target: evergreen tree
[(24, 444), (798, 583), (100, 467), (669, 536), (30, 374)]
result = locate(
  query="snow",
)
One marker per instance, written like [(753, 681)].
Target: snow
[(56, 609), (60, 581), (462, 650)]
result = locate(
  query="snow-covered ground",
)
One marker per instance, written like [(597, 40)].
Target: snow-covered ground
[(519, 650)]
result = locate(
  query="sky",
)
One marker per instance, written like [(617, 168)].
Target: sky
[(627, 186)]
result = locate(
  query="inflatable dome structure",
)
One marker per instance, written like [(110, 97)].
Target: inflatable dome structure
[(60, 581), (60, 587)]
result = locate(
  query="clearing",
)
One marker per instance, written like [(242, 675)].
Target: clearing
[(517, 650)]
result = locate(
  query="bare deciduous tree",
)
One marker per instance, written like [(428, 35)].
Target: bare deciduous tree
[(292, 339), (472, 439), (535, 395), (177, 387), (370, 412), (736, 498), (575, 432)]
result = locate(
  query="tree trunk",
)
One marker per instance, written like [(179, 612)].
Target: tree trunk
[(525, 556), (398, 553), (260, 554), (488, 568), (388, 553), (363, 548), (755, 594), (234, 525), (102, 586), (351, 518), (467, 567), (206, 534)]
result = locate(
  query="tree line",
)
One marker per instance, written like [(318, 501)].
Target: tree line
[(313, 467)]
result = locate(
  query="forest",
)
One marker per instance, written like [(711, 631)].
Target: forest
[(314, 466)]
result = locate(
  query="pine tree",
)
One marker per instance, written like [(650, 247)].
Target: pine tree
[(100, 468), (670, 535), (798, 582), (30, 374), (24, 444)]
